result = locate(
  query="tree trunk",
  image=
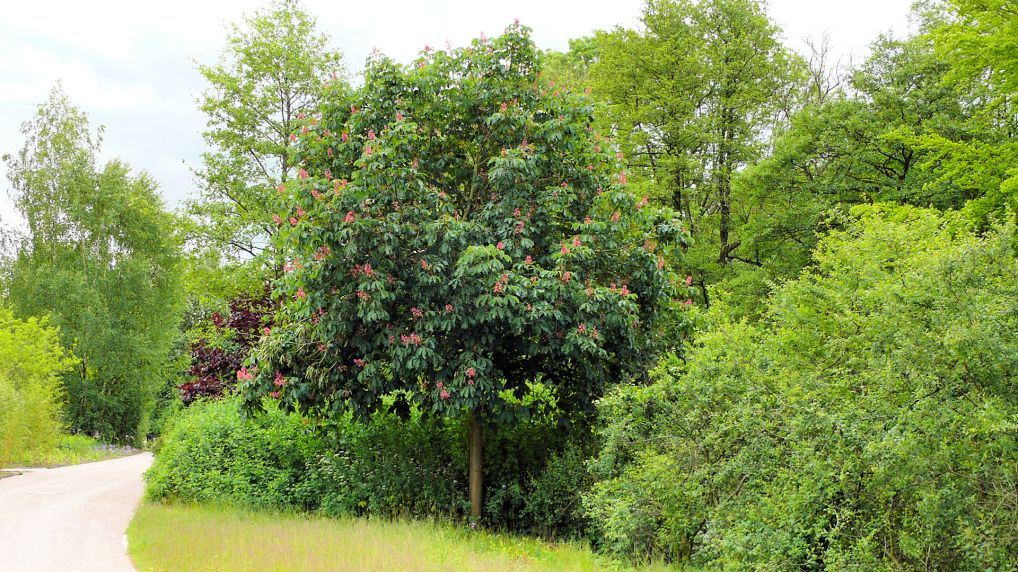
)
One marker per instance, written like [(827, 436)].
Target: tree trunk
[(476, 478)]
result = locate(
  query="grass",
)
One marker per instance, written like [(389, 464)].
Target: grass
[(69, 450), (187, 537)]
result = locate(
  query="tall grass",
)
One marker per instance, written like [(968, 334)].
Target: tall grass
[(191, 538)]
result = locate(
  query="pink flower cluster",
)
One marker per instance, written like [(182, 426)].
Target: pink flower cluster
[(280, 381), (244, 374)]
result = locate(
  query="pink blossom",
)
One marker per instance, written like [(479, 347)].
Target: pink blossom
[(300, 212), (281, 188), (417, 312), (368, 150), (349, 217), (405, 339), (581, 328), (359, 362), (565, 250), (363, 296), (316, 194), (586, 220), (399, 116), (502, 108), (624, 291), (689, 280), (266, 331), (330, 151), (500, 246), (528, 260), (293, 221), (448, 308), (688, 302), (371, 134), (445, 394), (277, 219), (498, 287), (519, 227), (619, 155), (353, 109), (300, 293), (566, 276), (274, 394), (244, 374), (615, 216), (344, 136), (471, 373), (576, 241), (303, 174), (622, 178), (280, 381)]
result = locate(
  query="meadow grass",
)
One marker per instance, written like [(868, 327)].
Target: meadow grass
[(68, 450), (188, 538)]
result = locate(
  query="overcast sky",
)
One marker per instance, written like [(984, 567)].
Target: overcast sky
[(129, 64)]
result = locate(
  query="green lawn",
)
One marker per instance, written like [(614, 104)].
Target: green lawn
[(177, 537)]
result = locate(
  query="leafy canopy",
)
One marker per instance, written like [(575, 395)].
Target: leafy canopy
[(867, 421), (102, 259), (457, 233)]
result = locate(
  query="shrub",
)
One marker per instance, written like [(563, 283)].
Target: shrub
[(867, 422), (214, 454), (388, 467), (31, 363)]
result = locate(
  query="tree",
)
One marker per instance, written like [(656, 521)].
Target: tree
[(272, 72), (691, 97), (977, 40), (101, 258), (458, 234)]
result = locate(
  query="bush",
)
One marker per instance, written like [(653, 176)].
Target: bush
[(866, 423), (31, 363), (416, 467), (389, 467), (213, 454)]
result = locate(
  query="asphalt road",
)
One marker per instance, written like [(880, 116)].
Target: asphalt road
[(70, 518)]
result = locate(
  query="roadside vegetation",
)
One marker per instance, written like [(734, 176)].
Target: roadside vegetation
[(678, 296), (190, 538)]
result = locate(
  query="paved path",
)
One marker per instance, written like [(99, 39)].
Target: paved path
[(70, 518)]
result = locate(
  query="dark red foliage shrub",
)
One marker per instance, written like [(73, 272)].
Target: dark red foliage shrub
[(217, 357)]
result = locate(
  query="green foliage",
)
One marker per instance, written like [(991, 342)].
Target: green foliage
[(270, 74), (31, 364), (978, 40), (868, 421), (101, 258), (455, 234), (213, 454), (691, 97)]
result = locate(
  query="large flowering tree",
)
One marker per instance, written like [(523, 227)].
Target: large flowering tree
[(456, 233)]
